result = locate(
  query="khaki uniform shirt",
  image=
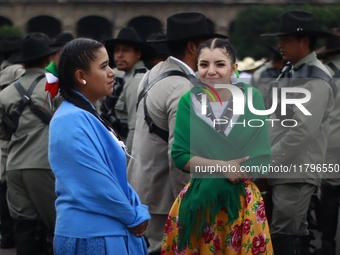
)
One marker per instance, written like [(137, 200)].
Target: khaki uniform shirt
[(8, 74), (151, 171), (127, 101), (28, 147), (332, 177), (299, 149)]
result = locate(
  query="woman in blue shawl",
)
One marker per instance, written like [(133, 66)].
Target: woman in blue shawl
[(98, 212)]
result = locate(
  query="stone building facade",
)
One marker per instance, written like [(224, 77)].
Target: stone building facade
[(103, 19)]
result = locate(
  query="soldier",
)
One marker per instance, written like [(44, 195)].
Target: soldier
[(128, 51), (302, 144), (330, 184), (59, 42), (161, 48), (270, 70), (8, 73), (30, 181), (151, 171)]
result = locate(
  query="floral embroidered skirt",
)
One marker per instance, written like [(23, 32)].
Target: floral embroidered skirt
[(249, 234)]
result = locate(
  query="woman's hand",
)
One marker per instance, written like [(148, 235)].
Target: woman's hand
[(234, 173), (140, 229)]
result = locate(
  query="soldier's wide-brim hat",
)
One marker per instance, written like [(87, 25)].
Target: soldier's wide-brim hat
[(161, 48), (129, 36), (11, 44), (298, 23), (188, 25), (332, 43), (35, 46), (61, 39)]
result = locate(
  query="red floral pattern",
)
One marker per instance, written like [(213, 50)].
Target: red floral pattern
[(183, 191), (248, 197), (261, 212), (246, 227), (195, 252), (217, 243), (259, 244), (248, 235), (208, 234), (176, 251), (168, 225), (236, 238)]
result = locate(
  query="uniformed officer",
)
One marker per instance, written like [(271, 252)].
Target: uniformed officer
[(300, 145), (128, 52)]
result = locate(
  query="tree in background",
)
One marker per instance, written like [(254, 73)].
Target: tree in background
[(250, 22), (7, 30)]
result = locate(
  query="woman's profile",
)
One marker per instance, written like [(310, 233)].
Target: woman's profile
[(98, 212)]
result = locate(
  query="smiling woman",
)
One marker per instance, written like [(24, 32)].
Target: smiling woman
[(220, 211), (98, 212)]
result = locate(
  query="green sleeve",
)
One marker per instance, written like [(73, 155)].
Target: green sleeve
[(180, 150)]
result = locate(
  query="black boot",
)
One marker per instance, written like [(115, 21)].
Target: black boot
[(292, 244), (6, 221), (305, 243), (30, 239), (48, 245), (330, 213), (286, 245), (324, 251)]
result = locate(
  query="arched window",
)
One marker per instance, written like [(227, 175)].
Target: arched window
[(94, 27), (146, 25), (4, 21), (44, 24)]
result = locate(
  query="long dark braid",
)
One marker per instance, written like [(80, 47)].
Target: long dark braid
[(77, 54)]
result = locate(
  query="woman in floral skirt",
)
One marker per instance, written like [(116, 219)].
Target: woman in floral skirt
[(220, 211)]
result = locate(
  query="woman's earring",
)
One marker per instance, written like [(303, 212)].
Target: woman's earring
[(84, 82)]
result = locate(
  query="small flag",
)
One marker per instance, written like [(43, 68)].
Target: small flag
[(52, 81)]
